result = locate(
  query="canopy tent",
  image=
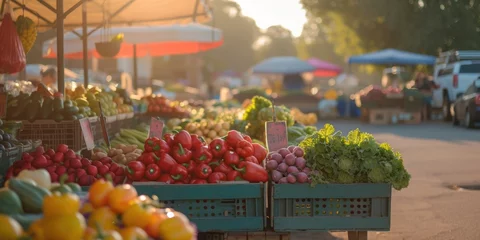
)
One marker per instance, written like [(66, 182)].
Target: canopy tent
[(149, 40), (323, 68), (60, 14), (283, 65), (117, 12), (392, 56)]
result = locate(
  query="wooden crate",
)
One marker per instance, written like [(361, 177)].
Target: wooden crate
[(379, 116)]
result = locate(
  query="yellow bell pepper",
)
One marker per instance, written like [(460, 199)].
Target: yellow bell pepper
[(64, 227), (40, 176), (98, 193), (60, 204), (10, 229), (137, 215), (121, 197), (176, 227), (133, 233), (104, 218), (36, 231)]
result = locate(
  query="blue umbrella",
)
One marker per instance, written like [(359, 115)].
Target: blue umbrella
[(393, 56), (283, 65)]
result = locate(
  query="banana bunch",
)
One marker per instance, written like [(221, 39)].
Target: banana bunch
[(27, 31)]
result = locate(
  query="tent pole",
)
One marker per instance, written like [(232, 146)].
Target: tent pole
[(135, 67), (85, 45), (60, 49)]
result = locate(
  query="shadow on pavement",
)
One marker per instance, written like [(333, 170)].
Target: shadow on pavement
[(429, 130)]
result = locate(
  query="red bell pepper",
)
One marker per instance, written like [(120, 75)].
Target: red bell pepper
[(231, 158), (150, 144), (181, 154), (202, 171), (135, 170), (149, 158), (217, 177), (183, 138), (218, 147), (247, 138), (252, 159), (244, 149), (168, 139), (234, 176), (179, 172), (197, 142), (233, 137), (259, 152), (161, 147), (202, 155), (224, 168), (166, 178), (190, 166), (166, 163), (152, 172), (252, 172), (198, 181)]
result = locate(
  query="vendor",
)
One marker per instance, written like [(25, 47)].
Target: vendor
[(49, 77), (422, 82)]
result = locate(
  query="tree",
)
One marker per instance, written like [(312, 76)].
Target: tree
[(423, 26), (278, 42), (239, 34)]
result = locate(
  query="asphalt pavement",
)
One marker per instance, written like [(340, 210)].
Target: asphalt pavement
[(438, 156)]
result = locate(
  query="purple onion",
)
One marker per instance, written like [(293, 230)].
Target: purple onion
[(292, 169), (298, 151), (283, 180), (291, 148), (271, 165), (302, 177), (291, 178), (276, 175), (290, 159), (282, 167), (283, 152), (277, 157), (300, 163)]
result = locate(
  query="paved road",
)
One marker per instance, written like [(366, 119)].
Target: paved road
[(436, 155)]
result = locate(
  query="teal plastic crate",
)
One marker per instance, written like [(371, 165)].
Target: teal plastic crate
[(331, 207), (229, 207)]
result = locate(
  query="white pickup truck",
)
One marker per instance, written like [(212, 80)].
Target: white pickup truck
[(454, 72)]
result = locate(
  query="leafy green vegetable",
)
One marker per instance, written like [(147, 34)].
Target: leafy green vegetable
[(355, 158)]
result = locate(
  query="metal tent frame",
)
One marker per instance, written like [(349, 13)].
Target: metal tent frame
[(61, 14)]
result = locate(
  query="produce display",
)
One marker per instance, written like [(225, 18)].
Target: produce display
[(129, 137), (287, 165), (186, 159), (121, 154), (62, 161), (106, 212), (355, 158), (305, 119), (112, 103), (8, 141), (208, 129), (160, 106), (297, 133), (260, 111)]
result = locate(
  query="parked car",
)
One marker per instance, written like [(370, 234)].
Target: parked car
[(466, 108), (454, 73)]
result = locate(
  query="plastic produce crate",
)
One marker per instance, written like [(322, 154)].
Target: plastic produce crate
[(331, 207), (229, 207), (53, 133), (13, 154)]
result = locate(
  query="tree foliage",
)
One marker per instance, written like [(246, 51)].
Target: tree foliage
[(278, 42), (424, 26)]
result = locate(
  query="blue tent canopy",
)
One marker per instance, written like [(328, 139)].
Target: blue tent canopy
[(393, 56), (283, 65)]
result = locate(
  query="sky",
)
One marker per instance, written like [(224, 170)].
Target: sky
[(288, 13)]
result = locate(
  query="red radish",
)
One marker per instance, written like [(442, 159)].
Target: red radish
[(106, 160), (27, 157), (85, 162), (291, 178), (50, 152), (97, 164), (92, 170), (58, 157), (290, 159), (70, 154), (71, 170), (86, 180), (51, 169), (79, 172), (49, 162), (61, 170), (47, 157), (75, 163), (39, 150), (40, 162), (102, 170), (66, 162), (113, 167), (62, 148), (112, 175), (53, 177)]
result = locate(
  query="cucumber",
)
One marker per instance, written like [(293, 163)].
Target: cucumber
[(26, 220), (47, 108), (30, 196), (10, 202)]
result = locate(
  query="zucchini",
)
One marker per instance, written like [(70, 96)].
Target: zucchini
[(10, 202), (26, 220), (30, 196), (47, 108)]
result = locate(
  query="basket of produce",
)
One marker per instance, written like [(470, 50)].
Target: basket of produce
[(334, 183)]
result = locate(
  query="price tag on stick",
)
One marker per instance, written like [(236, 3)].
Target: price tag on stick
[(87, 133), (156, 128), (276, 135)]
